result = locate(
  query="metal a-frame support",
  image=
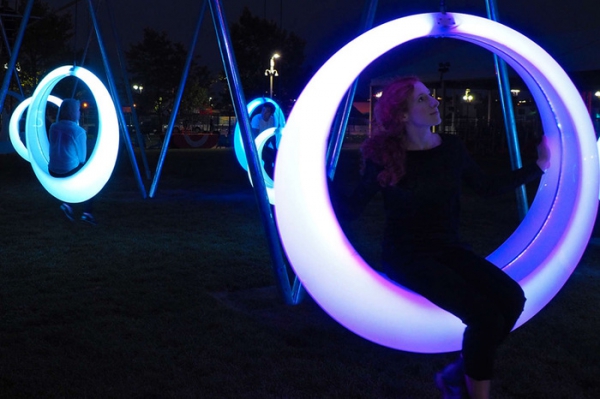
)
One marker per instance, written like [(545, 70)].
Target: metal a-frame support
[(290, 287), (7, 44), (10, 69), (115, 95), (177, 102), (509, 116), (126, 83), (127, 86), (341, 121)]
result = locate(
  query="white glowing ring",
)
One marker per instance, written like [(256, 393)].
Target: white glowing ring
[(260, 142), (238, 144), (541, 254), (598, 145), (88, 181), (15, 118)]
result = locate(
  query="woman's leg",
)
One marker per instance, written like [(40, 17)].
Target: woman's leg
[(477, 292), (478, 389), (506, 294)]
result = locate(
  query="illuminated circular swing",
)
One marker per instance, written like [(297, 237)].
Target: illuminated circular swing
[(542, 252), (15, 118), (90, 179), (238, 145), (260, 141)]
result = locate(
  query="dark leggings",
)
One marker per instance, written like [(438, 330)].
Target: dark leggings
[(88, 205), (485, 298)]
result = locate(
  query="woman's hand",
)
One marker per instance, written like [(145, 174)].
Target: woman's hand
[(543, 150)]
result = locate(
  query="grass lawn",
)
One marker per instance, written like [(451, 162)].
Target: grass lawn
[(174, 297)]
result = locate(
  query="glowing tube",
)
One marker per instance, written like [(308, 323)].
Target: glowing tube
[(541, 254), (15, 118), (260, 141), (238, 145), (88, 181)]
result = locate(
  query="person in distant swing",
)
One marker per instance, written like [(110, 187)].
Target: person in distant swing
[(68, 152), (264, 120)]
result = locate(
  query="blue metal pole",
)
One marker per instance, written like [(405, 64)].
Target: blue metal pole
[(7, 44), (260, 191), (341, 121), (115, 97), (509, 116), (15, 53), (176, 103), (128, 91)]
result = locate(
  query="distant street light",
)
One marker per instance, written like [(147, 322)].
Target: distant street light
[(271, 72), (138, 88), (468, 97), (17, 66)]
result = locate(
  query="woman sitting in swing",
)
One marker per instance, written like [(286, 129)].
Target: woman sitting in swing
[(420, 174)]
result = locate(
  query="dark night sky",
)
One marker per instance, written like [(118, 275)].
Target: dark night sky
[(568, 30)]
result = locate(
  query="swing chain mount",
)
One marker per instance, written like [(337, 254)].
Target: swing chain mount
[(445, 20)]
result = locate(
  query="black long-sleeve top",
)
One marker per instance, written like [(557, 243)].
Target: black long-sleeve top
[(423, 208)]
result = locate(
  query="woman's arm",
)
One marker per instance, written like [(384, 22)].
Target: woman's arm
[(488, 185), (544, 155), (349, 207)]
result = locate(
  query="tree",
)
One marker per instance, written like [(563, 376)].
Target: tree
[(45, 41), (157, 64), (196, 94), (254, 41)]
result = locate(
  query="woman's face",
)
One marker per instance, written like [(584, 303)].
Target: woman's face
[(422, 108)]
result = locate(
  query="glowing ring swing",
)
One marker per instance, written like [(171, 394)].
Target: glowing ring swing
[(15, 118), (261, 141), (90, 179), (238, 144), (541, 254)]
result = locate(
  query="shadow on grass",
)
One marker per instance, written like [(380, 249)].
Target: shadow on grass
[(174, 297)]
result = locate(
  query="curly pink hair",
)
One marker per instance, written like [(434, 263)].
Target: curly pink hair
[(385, 146)]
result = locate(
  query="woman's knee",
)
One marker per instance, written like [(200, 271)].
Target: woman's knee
[(486, 326), (515, 301)]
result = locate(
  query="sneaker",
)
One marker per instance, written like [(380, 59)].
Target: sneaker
[(88, 218), (451, 381), (66, 208)]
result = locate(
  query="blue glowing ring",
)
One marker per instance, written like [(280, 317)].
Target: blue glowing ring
[(260, 141), (15, 118), (238, 145), (88, 181), (542, 252)]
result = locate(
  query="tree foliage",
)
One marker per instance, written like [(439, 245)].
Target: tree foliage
[(157, 63), (196, 94), (45, 41), (255, 40)]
